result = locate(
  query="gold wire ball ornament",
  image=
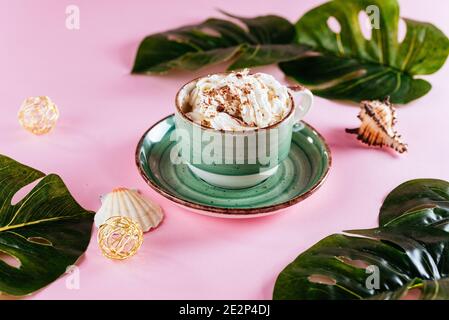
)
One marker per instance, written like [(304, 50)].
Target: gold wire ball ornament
[(119, 238), (38, 115)]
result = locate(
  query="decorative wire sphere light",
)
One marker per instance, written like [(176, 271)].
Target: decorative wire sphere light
[(38, 115), (119, 238)]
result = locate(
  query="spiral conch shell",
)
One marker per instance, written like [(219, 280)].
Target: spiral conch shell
[(378, 119), (129, 203)]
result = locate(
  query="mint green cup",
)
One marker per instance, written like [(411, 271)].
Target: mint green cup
[(235, 159)]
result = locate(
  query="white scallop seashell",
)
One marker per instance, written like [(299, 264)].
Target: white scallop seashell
[(129, 203)]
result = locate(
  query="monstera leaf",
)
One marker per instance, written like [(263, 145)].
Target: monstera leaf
[(409, 251), (346, 65), (424, 290), (45, 232), (426, 198), (336, 267), (335, 64), (268, 40)]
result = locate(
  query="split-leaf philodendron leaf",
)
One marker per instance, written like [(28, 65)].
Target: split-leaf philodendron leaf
[(421, 201), (267, 40), (335, 65), (45, 232), (425, 290), (349, 66), (410, 250)]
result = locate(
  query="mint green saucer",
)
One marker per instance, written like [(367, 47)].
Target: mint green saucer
[(299, 176)]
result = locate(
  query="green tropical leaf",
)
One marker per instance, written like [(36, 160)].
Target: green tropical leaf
[(426, 198), (409, 251), (348, 66), (399, 254), (46, 231), (267, 40), (424, 290)]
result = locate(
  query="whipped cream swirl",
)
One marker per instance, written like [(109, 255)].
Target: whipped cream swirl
[(238, 101)]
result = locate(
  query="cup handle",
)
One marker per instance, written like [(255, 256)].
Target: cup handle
[(303, 101)]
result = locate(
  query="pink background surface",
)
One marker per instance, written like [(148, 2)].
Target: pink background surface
[(105, 110)]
